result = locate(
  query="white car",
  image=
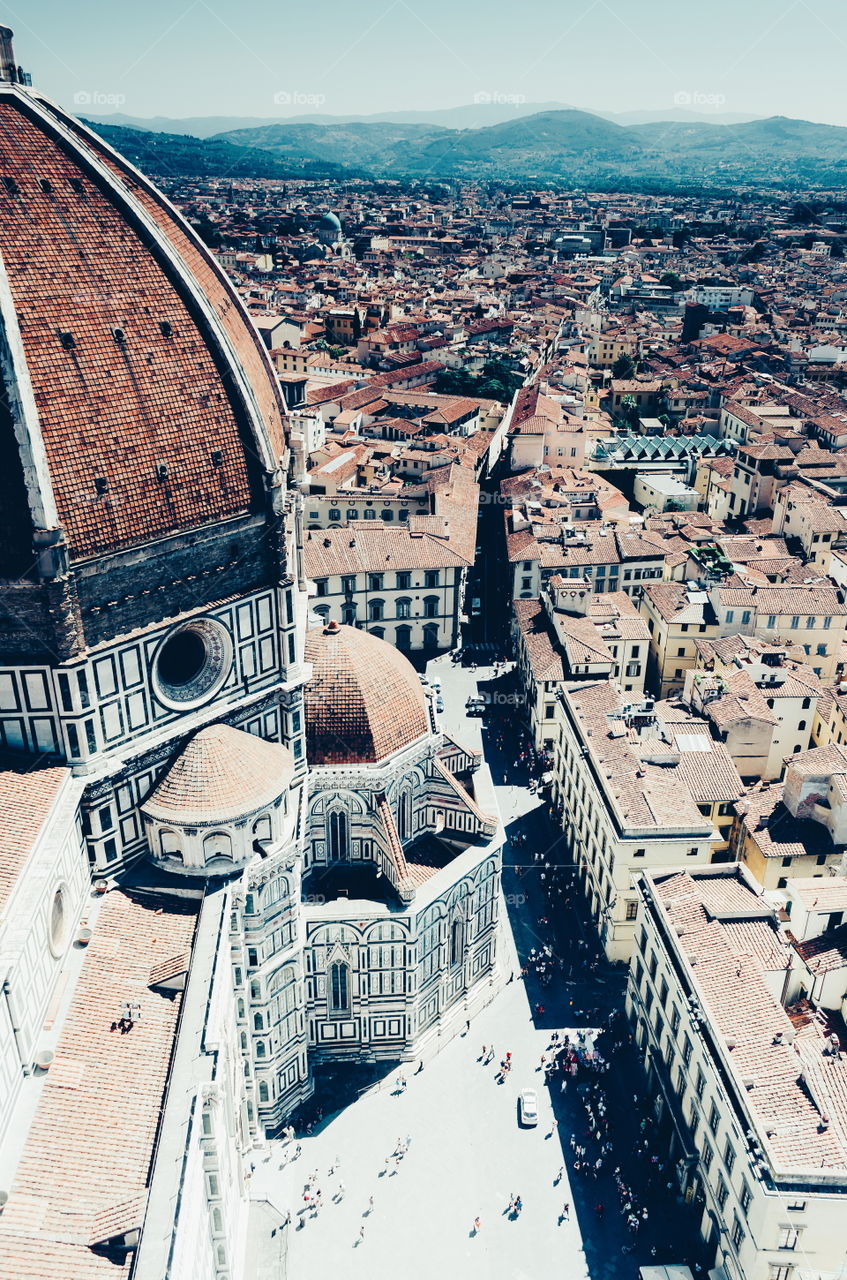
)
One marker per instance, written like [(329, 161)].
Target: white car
[(528, 1107)]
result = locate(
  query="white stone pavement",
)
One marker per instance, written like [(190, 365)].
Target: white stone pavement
[(467, 1156)]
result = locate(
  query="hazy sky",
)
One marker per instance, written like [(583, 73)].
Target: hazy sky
[(285, 57)]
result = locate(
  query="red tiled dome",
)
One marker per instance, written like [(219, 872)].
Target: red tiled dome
[(364, 700), (149, 403), (222, 775)]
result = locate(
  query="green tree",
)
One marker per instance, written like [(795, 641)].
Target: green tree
[(672, 280), (624, 366), (631, 411)]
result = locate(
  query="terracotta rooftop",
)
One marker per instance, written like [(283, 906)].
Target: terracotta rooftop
[(85, 1169), (222, 774), (819, 893), (27, 797), (754, 1027), (127, 375), (364, 700)]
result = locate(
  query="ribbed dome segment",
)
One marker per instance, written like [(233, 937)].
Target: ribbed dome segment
[(223, 774), (364, 700), (153, 408)]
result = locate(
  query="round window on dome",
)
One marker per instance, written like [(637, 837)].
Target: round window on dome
[(192, 663)]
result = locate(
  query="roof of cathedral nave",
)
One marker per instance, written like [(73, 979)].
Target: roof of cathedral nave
[(101, 1105), (27, 797), (364, 700), (221, 775), (156, 402)]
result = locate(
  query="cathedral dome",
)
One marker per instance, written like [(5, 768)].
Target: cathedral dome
[(364, 700), (139, 401)]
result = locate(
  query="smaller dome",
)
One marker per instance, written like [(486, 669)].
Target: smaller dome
[(364, 700), (222, 775), (329, 222)]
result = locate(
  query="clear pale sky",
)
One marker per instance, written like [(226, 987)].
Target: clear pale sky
[(281, 57)]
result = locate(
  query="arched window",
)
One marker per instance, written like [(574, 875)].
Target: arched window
[(264, 1096), (404, 814), (262, 827), (379, 632), (375, 610), (169, 844), (258, 1024), (337, 836), (348, 615), (404, 637), (322, 610), (260, 1048), (217, 845), (457, 942), (430, 606), (430, 635), (404, 607), (339, 987)]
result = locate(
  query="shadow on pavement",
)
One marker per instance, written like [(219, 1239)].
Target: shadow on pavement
[(337, 1085), (628, 1207)]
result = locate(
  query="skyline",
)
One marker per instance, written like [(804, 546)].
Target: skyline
[(219, 59)]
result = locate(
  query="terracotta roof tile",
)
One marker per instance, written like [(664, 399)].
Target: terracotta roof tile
[(86, 1163), (26, 798), (364, 700), (222, 774), (81, 262)]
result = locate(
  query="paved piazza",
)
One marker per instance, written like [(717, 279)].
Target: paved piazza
[(467, 1156)]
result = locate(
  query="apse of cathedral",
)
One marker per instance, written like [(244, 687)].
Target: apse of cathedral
[(237, 844)]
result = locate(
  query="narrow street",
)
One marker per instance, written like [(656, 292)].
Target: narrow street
[(467, 1154)]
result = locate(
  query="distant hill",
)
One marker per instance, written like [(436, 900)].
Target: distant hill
[(545, 145), (178, 155), (476, 115), (577, 146), (776, 150), (684, 115), (365, 146), (193, 126), (568, 146)]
